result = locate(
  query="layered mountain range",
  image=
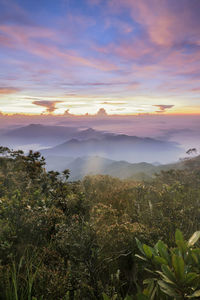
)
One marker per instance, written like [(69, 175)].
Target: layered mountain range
[(93, 165), (88, 151)]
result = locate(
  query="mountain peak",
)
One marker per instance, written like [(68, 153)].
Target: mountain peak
[(90, 130), (34, 125)]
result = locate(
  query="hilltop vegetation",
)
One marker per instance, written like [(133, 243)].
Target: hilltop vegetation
[(77, 240)]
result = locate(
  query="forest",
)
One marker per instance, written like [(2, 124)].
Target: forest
[(98, 238)]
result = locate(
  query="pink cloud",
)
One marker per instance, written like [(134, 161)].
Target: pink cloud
[(8, 90), (166, 22), (26, 39), (167, 43), (5, 41), (196, 90), (159, 57), (22, 35)]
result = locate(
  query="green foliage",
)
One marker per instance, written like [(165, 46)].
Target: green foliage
[(20, 278), (175, 272), (77, 240)]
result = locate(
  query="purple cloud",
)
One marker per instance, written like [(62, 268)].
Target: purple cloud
[(49, 105), (163, 107)]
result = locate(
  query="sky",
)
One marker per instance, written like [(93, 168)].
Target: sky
[(115, 57)]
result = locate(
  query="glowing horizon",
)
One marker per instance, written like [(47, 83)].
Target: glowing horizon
[(126, 57)]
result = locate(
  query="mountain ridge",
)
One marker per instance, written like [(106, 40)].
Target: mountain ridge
[(118, 147), (96, 165)]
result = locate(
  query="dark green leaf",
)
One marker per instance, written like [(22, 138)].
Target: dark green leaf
[(178, 265)]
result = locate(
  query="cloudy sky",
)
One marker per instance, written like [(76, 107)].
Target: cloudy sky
[(126, 56)]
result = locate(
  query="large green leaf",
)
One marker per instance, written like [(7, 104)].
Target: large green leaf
[(168, 272), (178, 265), (139, 244), (167, 289), (162, 250), (141, 257), (190, 277), (194, 238), (148, 251), (178, 236), (166, 279), (195, 294), (159, 260), (180, 241), (148, 290), (153, 294), (150, 271)]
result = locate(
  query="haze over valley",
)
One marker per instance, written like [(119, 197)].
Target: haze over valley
[(87, 151)]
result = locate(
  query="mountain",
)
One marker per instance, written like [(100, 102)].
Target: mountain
[(82, 141), (37, 131), (58, 163), (93, 165), (81, 167), (45, 136), (118, 147), (91, 133)]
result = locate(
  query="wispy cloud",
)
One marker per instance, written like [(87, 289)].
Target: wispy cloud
[(123, 50), (27, 39)]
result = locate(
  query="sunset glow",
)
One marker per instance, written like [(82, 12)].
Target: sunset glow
[(128, 57)]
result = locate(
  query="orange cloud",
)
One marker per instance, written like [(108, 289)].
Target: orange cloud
[(8, 90), (101, 113)]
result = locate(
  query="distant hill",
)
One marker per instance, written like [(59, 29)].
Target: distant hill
[(38, 134), (80, 141), (46, 135), (93, 165), (118, 147), (58, 163), (121, 169), (91, 133), (88, 151)]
